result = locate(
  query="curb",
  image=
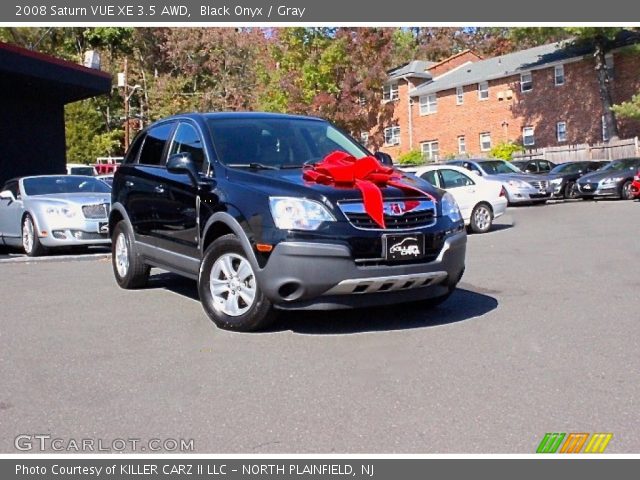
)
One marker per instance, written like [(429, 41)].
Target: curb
[(57, 258)]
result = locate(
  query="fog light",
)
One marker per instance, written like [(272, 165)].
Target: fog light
[(59, 234)]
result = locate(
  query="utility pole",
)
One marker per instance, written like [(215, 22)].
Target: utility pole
[(126, 104)]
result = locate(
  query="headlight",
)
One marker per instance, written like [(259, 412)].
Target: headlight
[(450, 208), (518, 184), (67, 212), (556, 181), (291, 213), (608, 181)]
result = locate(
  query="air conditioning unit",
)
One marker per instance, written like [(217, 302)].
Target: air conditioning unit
[(500, 95)]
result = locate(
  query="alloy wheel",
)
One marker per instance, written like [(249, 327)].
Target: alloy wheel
[(232, 284), (27, 235), (122, 255), (482, 218)]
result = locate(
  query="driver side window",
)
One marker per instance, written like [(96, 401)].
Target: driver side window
[(187, 140), (14, 188)]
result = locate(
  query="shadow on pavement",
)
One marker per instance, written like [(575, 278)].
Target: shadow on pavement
[(463, 305)]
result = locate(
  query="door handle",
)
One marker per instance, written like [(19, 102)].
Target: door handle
[(159, 189), (128, 183)]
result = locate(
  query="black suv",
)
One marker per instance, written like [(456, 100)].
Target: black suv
[(221, 198)]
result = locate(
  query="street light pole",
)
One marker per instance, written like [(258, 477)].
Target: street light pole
[(126, 105)]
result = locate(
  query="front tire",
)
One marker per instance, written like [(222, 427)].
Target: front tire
[(625, 191), (481, 218), (570, 191), (128, 267), (229, 289), (30, 240)]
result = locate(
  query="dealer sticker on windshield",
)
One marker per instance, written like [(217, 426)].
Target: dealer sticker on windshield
[(403, 247)]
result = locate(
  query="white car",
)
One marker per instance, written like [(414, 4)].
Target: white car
[(480, 201)]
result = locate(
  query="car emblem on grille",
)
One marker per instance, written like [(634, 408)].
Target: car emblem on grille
[(396, 209)]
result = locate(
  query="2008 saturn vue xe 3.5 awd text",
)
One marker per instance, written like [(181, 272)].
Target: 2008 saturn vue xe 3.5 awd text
[(273, 212)]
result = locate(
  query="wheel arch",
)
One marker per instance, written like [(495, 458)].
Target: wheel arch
[(222, 223)]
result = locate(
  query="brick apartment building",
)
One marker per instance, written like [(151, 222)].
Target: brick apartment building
[(540, 97)]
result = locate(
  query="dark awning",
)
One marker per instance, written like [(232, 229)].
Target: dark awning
[(27, 73)]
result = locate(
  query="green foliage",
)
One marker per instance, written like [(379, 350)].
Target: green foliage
[(630, 109), (505, 150), (412, 157), (85, 133)]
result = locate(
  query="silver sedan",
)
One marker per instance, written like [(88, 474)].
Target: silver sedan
[(42, 212)]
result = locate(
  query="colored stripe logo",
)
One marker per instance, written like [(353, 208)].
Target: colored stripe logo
[(573, 443)]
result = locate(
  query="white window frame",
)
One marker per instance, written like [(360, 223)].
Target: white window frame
[(532, 136), (483, 91), (393, 92), (605, 134), (459, 95), (482, 147), (428, 104), (395, 136), (428, 153), (564, 131), (524, 82), (462, 144), (558, 74)]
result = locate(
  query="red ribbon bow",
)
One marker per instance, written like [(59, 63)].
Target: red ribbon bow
[(367, 174)]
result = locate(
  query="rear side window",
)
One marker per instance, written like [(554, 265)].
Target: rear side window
[(154, 144), (188, 141), (13, 188), (431, 177), (454, 179)]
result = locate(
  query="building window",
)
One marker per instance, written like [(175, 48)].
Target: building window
[(364, 138), (605, 130), (428, 104), (459, 95), (527, 136), (558, 73), (485, 141), (392, 136), (526, 82), (390, 92), (462, 146), (430, 150), (561, 131), (483, 91)]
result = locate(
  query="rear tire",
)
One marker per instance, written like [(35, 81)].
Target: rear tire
[(30, 240), (128, 267), (229, 289), (481, 218)]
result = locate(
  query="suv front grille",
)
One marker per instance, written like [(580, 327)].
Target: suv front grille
[(100, 210), (540, 184), (401, 214)]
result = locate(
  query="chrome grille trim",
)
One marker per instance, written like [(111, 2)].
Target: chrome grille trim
[(95, 211), (540, 184), (422, 215), (386, 284)]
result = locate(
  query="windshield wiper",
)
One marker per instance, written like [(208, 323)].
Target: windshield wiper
[(254, 166)]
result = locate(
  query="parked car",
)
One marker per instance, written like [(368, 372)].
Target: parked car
[(248, 205), (534, 166), (635, 185), (480, 200), (563, 177), (42, 212), (80, 169), (613, 180), (108, 179), (520, 187)]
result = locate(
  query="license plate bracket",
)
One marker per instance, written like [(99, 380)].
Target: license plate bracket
[(403, 247)]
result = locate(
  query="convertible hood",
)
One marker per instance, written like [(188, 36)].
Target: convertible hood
[(74, 198), (289, 182)]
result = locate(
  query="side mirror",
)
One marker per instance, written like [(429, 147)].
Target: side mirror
[(182, 163), (7, 195), (384, 158)]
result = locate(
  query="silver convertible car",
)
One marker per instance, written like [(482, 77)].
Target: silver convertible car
[(42, 212)]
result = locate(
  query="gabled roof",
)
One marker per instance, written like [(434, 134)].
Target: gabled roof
[(414, 69), (514, 63)]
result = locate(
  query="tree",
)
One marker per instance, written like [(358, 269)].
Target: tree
[(85, 135), (630, 109)]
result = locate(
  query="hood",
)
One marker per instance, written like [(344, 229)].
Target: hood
[(525, 177), (599, 175), (73, 198), (289, 182)]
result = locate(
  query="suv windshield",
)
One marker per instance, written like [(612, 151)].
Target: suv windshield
[(493, 167), (277, 142), (63, 184), (626, 164)]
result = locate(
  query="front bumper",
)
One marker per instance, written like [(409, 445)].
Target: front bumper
[(325, 276), (526, 195), (598, 190), (74, 233)]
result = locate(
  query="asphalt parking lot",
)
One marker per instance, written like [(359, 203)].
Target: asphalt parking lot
[(542, 336)]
